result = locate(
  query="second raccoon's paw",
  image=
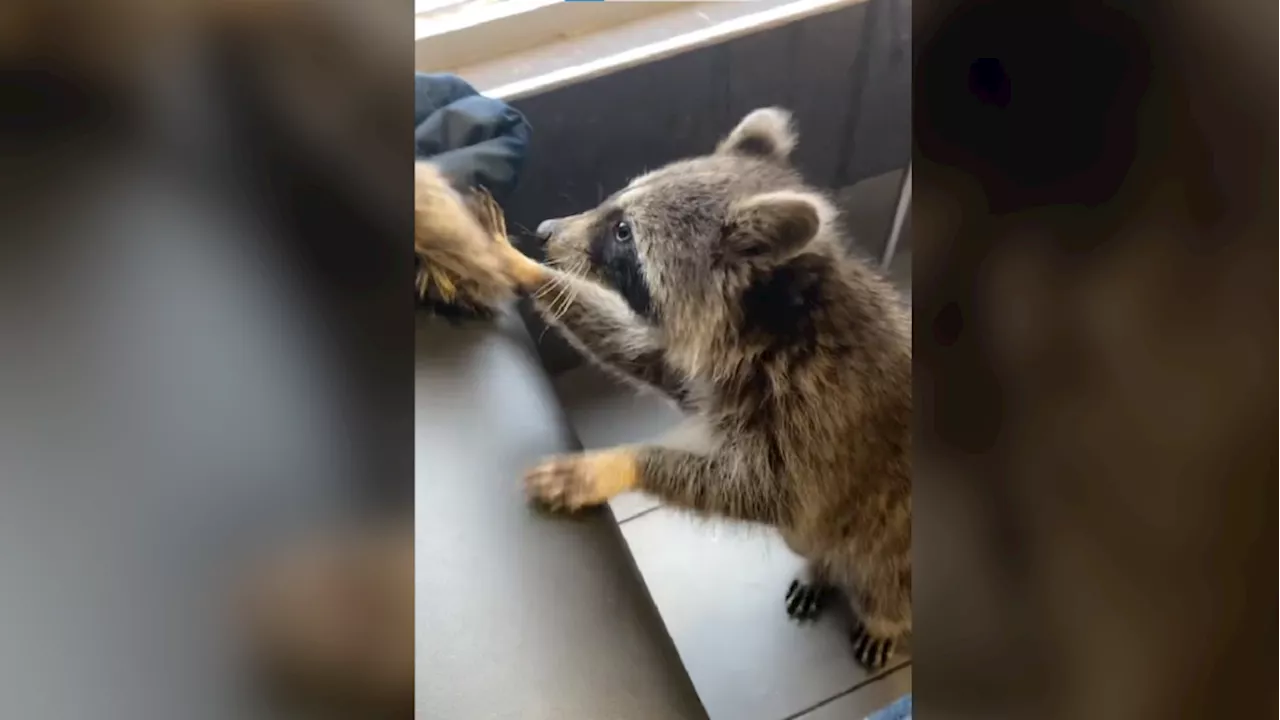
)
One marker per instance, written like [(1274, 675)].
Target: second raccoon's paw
[(871, 651), (489, 214), (571, 482), (806, 598)]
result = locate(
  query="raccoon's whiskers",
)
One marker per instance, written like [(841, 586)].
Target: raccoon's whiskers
[(578, 271), (547, 287), (556, 285), (563, 300), (562, 285)]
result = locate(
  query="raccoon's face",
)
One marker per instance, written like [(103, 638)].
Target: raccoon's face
[(679, 239)]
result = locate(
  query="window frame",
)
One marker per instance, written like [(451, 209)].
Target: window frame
[(449, 42)]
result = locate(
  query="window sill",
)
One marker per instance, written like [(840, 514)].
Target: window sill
[(589, 40), (452, 42)]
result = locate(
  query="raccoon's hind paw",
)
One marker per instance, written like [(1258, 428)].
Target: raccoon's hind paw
[(871, 652), (806, 599)]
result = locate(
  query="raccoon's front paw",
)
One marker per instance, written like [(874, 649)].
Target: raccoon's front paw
[(806, 598), (571, 482), (871, 651), (524, 273)]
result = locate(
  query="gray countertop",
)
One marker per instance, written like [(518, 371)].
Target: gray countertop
[(520, 614)]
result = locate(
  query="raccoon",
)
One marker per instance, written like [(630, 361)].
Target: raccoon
[(722, 282)]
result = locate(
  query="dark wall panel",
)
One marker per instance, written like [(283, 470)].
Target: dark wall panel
[(882, 114)]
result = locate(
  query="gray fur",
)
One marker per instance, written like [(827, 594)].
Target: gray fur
[(730, 291)]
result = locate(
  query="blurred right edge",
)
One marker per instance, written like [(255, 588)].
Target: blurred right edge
[(1095, 351)]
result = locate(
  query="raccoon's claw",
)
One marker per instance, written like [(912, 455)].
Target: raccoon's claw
[(871, 652), (805, 600), (489, 214)]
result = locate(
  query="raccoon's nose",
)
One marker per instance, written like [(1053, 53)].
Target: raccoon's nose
[(546, 229)]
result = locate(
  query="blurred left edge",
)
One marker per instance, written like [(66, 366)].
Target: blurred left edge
[(207, 339)]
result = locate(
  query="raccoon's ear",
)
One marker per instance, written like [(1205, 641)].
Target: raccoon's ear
[(774, 226), (764, 133)]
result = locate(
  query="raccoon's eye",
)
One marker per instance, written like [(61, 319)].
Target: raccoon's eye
[(622, 231)]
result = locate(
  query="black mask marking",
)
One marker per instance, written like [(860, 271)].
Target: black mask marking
[(619, 263)]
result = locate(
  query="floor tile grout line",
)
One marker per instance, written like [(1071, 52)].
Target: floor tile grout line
[(849, 691), (640, 514)]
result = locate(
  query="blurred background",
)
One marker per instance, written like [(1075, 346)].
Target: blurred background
[(206, 335)]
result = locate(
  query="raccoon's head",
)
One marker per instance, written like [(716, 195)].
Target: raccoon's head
[(683, 243)]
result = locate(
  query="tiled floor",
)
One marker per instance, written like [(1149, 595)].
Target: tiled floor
[(719, 588), (864, 700)]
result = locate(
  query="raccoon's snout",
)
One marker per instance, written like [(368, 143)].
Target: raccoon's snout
[(546, 230)]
